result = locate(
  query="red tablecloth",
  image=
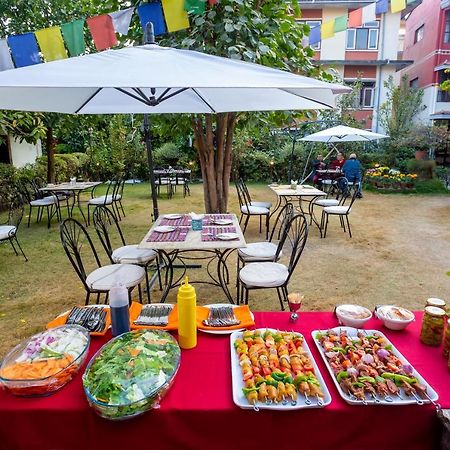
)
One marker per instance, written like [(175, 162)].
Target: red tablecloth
[(198, 411)]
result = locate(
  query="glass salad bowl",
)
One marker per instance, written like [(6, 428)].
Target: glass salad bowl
[(131, 373), (45, 362)]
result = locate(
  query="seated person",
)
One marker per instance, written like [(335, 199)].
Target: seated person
[(352, 169), (338, 162), (318, 164)]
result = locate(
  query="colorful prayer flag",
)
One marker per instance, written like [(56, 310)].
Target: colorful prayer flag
[(397, 6), (6, 62), (381, 6), (340, 23), (74, 37), (24, 49), (152, 12), (327, 30), (314, 35), (368, 13), (121, 20), (51, 43), (176, 16), (102, 31), (355, 18), (195, 6)]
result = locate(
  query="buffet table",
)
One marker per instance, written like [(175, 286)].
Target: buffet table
[(198, 411)]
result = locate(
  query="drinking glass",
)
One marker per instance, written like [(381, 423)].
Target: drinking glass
[(295, 302)]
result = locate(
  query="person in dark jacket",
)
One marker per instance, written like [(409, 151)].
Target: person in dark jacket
[(352, 169)]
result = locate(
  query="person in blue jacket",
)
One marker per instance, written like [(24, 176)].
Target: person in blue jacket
[(352, 169)]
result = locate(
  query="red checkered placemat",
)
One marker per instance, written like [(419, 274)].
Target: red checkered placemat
[(210, 233), (184, 221), (178, 235)]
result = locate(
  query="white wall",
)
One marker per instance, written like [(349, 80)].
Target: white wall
[(388, 47), (23, 153), (333, 48)]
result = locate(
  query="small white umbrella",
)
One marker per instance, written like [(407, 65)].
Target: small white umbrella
[(342, 133), (153, 79)]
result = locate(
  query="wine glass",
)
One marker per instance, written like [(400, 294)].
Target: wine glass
[(295, 302)]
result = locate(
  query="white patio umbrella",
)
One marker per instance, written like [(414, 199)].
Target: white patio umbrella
[(153, 79), (340, 133)]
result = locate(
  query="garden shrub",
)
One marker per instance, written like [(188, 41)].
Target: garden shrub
[(424, 168)]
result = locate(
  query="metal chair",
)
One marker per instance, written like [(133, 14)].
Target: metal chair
[(102, 200), (249, 209), (342, 210), (273, 275), (105, 221), (74, 238), (50, 203), (117, 197), (266, 250), (9, 229)]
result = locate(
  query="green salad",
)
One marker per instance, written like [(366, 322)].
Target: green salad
[(131, 372)]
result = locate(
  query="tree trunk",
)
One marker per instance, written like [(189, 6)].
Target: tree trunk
[(50, 144), (215, 152)]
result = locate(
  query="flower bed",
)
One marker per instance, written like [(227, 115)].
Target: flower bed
[(390, 179)]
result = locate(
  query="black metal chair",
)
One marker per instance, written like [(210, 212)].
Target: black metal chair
[(273, 275), (102, 200), (266, 250), (105, 221), (50, 203), (9, 229), (342, 211), (117, 197), (74, 238), (250, 209)]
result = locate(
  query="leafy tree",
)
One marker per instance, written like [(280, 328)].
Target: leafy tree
[(402, 105), (24, 126)]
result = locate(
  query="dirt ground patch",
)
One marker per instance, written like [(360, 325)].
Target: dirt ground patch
[(399, 254)]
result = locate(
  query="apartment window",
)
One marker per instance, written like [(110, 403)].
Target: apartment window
[(364, 38), (312, 24), (447, 27), (367, 95), (418, 35), (414, 83), (443, 96)]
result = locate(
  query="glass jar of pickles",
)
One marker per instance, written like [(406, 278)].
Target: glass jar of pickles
[(436, 302), (447, 341), (433, 325)]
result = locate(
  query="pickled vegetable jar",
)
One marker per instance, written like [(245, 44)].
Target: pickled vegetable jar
[(447, 340), (432, 326), (436, 302)]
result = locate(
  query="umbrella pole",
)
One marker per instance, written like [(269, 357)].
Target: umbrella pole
[(148, 145)]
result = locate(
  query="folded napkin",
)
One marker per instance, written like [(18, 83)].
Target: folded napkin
[(242, 313)]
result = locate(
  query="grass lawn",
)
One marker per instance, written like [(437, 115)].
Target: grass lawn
[(399, 254)]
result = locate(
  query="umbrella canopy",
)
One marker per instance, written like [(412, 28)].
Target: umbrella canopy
[(154, 79), (342, 133)]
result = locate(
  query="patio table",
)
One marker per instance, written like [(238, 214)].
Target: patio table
[(76, 188), (198, 411), (183, 241), (285, 194)]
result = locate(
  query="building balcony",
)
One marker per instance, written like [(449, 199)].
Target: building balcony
[(317, 4)]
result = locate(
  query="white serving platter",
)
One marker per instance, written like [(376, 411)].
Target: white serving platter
[(402, 400), (237, 382)]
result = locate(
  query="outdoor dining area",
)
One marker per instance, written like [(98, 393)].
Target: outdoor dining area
[(179, 318)]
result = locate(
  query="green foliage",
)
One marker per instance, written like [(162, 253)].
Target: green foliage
[(433, 186), (424, 168), (24, 126), (402, 105)]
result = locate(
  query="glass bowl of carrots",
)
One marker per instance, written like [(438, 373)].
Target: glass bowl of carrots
[(45, 362)]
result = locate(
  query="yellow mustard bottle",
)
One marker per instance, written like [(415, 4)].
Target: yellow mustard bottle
[(187, 315)]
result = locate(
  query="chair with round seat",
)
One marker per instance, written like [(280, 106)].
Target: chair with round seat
[(342, 211), (274, 275), (249, 210), (102, 200), (8, 230), (267, 205), (104, 221), (101, 279)]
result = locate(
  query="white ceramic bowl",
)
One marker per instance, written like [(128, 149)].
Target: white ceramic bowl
[(394, 317), (353, 315)]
